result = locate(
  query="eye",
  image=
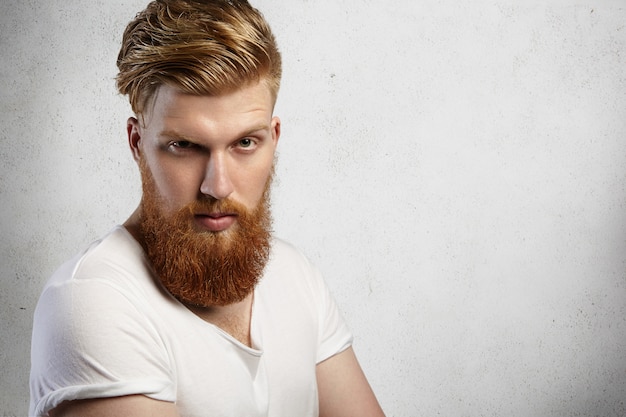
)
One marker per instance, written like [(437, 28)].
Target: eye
[(182, 144), (180, 147), (246, 143)]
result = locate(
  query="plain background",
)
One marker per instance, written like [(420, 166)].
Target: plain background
[(457, 170)]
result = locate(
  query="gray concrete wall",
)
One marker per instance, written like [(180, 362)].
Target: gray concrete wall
[(456, 169)]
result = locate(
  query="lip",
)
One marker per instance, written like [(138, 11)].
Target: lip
[(216, 222)]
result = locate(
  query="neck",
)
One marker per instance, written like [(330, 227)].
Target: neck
[(132, 225), (234, 318)]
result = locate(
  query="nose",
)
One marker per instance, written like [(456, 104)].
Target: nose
[(217, 182)]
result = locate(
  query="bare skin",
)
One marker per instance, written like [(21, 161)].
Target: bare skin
[(343, 388), (234, 319)]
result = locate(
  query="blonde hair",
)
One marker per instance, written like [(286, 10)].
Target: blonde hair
[(202, 47)]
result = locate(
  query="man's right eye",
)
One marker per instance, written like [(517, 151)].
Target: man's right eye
[(182, 144)]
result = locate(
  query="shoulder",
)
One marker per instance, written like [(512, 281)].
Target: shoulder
[(100, 288), (290, 270), (95, 329), (116, 253), (288, 267), (285, 255), (295, 290), (281, 247), (116, 260)]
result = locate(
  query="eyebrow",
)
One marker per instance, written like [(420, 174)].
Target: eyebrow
[(174, 134)]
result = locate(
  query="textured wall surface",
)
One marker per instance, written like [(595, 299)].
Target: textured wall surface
[(456, 169)]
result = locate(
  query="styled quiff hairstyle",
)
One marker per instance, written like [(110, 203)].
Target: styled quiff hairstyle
[(202, 47)]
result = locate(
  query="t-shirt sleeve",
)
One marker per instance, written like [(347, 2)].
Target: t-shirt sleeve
[(91, 341), (334, 335)]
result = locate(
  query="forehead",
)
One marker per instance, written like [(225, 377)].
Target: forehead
[(171, 105)]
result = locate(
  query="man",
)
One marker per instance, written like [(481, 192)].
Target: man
[(191, 307)]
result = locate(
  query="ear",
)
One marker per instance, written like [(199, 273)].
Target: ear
[(134, 137), (275, 127)]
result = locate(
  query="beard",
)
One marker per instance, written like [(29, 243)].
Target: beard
[(203, 268)]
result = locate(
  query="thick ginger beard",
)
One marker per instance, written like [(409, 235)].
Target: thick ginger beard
[(199, 267)]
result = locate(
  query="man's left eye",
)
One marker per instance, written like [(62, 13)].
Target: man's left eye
[(246, 143)]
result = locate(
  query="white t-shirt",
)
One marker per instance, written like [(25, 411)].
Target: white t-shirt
[(104, 327)]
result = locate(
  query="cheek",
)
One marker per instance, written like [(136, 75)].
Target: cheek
[(253, 185), (176, 187)]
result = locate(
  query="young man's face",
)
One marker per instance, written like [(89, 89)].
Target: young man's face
[(199, 147), (206, 166)]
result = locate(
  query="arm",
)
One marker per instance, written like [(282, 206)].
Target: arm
[(131, 405), (343, 388)]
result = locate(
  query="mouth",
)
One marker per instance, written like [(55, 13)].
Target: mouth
[(215, 222)]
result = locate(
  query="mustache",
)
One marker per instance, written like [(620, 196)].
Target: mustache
[(209, 205)]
